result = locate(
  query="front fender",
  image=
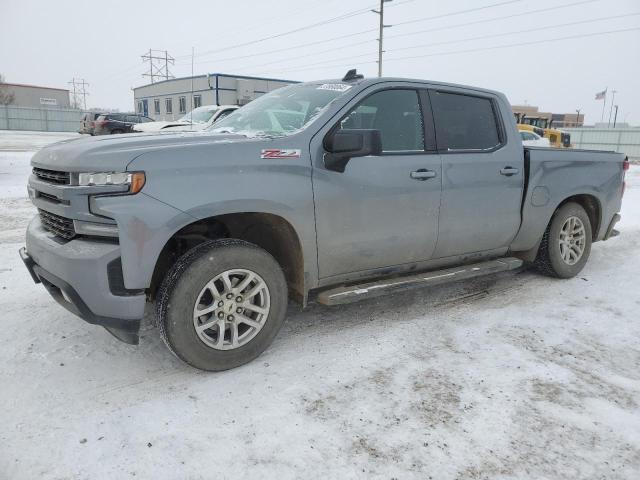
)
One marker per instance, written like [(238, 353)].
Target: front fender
[(145, 225)]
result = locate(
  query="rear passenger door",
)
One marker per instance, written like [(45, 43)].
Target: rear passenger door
[(482, 172)]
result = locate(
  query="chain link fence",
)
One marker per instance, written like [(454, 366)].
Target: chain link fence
[(40, 119)]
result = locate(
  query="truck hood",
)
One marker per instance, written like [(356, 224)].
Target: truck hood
[(114, 152)]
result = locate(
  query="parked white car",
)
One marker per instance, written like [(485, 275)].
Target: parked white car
[(197, 119), (530, 139)]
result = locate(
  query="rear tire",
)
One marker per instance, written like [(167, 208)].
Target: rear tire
[(234, 330), (566, 244)]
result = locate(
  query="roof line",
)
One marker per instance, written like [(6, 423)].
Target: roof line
[(228, 75), (34, 86)]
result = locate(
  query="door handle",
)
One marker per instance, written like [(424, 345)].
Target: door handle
[(508, 171), (423, 174)]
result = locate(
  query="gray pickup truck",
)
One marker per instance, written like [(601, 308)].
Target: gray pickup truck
[(334, 190)]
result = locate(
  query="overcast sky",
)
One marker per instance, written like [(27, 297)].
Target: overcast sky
[(47, 42)]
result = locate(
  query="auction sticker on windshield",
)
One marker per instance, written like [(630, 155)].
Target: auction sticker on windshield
[(337, 87), (281, 153)]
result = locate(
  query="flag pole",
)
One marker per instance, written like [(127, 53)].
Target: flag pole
[(604, 104), (613, 98)]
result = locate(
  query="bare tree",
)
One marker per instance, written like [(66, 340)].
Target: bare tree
[(6, 97)]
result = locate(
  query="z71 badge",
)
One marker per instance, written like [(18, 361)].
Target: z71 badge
[(281, 153)]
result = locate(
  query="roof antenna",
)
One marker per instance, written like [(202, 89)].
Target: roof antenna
[(352, 75)]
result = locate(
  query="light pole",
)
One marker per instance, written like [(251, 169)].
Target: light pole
[(577, 117), (382, 27), (615, 117)]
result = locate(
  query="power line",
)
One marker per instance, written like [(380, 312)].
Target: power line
[(503, 17), (454, 52), (344, 16), (517, 32), (294, 47), (342, 47), (569, 37), (468, 39), (451, 14)]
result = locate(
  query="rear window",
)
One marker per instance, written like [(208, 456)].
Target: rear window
[(464, 122)]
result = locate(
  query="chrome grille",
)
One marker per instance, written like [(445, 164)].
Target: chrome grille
[(60, 226), (52, 176)]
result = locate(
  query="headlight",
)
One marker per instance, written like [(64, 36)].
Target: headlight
[(135, 180)]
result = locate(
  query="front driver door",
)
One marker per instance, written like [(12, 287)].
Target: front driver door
[(382, 211)]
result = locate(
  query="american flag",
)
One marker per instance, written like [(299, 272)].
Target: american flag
[(601, 95)]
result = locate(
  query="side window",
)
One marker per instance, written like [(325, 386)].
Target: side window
[(529, 136), (396, 113), (464, 122), (224, 113)]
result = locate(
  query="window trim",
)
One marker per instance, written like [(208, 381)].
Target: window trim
[(156, 102), (168, 101), (199, 96), (180, 103), (502, 138), (421, 106)]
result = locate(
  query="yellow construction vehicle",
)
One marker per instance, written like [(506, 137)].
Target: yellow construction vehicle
[(542, 126)]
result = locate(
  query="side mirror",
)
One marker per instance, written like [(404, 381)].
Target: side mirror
[(342, 145)]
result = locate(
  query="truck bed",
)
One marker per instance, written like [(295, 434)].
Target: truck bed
[(553, 175)]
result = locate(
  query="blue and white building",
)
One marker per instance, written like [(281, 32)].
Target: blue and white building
[(171, 99)]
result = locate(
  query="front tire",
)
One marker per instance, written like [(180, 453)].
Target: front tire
[(566, 244), (222, 304)]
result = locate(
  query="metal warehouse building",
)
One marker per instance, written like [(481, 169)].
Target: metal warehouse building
[(37, 97), (171, 99)]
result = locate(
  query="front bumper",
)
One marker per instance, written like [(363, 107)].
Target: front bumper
[(76, 275)]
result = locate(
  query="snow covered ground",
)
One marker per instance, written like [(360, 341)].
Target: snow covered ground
[(513, 376)]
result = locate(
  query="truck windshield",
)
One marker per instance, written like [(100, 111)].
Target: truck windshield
[(281, 112)]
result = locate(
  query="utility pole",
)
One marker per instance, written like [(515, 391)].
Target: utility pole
[(577, 117), (79, 88), (159, 61), (615, 118), (613, 97), (382, 27)]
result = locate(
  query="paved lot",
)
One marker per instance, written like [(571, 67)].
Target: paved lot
[(514, 376)]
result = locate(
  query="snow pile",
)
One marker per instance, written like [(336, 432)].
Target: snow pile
[(511, 376)]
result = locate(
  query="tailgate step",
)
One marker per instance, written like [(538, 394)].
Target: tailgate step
[(353, 293)]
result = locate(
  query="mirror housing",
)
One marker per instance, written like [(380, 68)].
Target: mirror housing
[(342, 145)]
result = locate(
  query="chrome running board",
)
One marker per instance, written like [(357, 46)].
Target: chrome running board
[(353, 293)]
